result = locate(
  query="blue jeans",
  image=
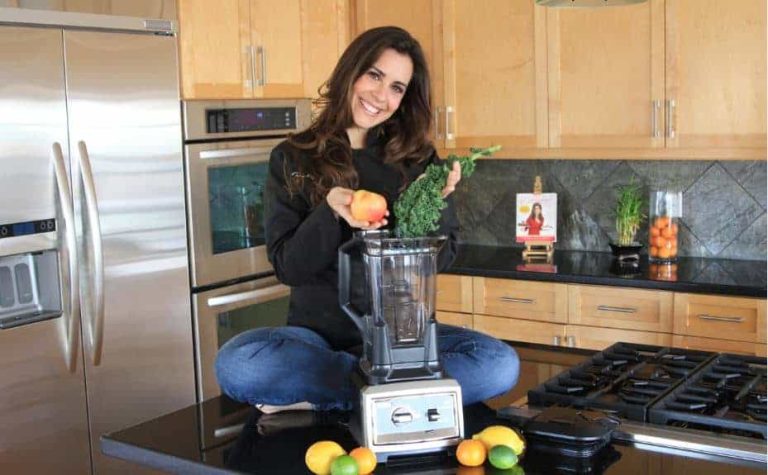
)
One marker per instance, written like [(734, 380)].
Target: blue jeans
[(285, 365)]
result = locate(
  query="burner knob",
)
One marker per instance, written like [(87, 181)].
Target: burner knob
[(433, 415)]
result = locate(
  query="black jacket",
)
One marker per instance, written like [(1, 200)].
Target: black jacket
[(303, 242)]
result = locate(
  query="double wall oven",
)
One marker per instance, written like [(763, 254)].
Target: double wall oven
[(226, 151)]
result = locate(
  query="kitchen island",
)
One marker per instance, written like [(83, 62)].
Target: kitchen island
[(221, 436)]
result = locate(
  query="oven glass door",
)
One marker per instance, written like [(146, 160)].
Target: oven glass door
[(223, 313), (225, 196)]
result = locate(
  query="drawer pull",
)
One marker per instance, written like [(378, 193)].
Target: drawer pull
[(516, 300), (718, 318), (608, 308)]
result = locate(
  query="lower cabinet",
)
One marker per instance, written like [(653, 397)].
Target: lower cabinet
[(595, 317)]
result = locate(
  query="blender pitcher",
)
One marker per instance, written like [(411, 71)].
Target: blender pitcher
[(399, 329)]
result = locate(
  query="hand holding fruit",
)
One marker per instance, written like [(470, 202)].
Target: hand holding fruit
[(361, 209)]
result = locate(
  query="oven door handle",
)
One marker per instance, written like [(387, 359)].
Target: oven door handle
[(256, 296), (235, 153)]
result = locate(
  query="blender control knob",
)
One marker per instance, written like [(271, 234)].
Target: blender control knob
[(433, 415), (402, 415)]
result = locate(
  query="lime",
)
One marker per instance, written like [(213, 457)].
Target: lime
[(344, 465), (502, 456), (320, 455)]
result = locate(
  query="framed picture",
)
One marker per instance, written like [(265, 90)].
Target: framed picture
[(536, 217)]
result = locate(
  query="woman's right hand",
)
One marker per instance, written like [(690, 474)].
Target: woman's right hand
[(340, 199)]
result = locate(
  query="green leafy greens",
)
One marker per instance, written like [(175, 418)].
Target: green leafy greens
[(417, 210)]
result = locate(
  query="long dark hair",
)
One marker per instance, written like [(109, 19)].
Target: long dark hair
[(533, 212), (406, 133)]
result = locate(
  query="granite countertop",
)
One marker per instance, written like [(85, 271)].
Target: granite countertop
[(220, 436), (693, 275)]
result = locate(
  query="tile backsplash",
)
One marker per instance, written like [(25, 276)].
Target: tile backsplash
[(724, 203)]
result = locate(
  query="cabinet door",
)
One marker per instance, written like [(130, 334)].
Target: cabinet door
[(214, 49), (495, 73), (722, 346), (454, 293), (716, 73), (463, 320), (325, 35), (611, 307), (593, 338), (606, 72), (277, 52), (422, 19), (520, 330)]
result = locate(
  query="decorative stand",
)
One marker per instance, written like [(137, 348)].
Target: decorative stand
[(538, 250)]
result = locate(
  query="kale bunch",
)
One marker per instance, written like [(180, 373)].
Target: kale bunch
[(417, 210)]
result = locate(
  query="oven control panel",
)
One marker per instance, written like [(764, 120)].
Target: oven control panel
[(251, 119)]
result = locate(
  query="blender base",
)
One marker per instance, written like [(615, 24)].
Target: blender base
[(410, 417)]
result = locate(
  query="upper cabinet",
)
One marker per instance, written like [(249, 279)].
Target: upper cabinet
[(716, 74), (606, 76), (495, 89), (251, 48)]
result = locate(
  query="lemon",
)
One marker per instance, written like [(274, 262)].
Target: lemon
[(501, 435), (321, 454)]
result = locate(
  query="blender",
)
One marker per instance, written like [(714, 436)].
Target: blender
[(407, 403)]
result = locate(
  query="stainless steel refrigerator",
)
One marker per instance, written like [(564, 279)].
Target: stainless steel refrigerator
[(95, 313)]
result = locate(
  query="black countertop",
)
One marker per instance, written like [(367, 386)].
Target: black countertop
[(221, 436), (694, 275)]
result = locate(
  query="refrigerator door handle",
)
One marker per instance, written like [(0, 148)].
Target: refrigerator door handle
[(94, 310), (70, 278)]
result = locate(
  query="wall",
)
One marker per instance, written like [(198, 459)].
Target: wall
[(724, 203)]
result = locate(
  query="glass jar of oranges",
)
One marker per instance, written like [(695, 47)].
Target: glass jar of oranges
[(665, 211)]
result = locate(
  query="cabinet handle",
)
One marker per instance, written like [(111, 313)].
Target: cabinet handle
[(516, 300), (570, 341), (608, 308), (655, 119), (448, 113), (251, 67), (438, 113), (718, 318), (263, 56), (670, 116), (556, 341)]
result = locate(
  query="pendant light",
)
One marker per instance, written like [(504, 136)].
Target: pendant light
[(585, 3)]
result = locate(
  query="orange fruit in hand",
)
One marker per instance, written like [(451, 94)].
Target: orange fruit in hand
[(471, 453), (366, 459)]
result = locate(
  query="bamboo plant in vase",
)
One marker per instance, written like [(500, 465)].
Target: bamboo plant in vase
[(629, 212)]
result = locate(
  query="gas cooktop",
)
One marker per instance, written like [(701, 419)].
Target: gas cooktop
[(684, 394)]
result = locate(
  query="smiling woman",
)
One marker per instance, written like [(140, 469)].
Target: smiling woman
[(372, 135)]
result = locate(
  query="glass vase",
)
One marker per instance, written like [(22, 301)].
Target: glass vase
[(664, 214)]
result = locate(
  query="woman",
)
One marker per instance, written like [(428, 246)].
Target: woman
[(371, 134), (535, 221)]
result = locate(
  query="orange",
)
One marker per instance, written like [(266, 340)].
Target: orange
[(366, 459), (661, 242), (654, 231), (667, 232), (669, 244), (471, 453), (654, 251), (661, 222), (664, 253)]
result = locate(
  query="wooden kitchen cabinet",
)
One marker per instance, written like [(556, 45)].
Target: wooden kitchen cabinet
[(454, 293), (520, 299), (718, 317), (422, 19), (716, 74), (252, 49), (594, 338), (611, 307), (719, 345), (464, 320), (494, 58), (605, 70), (520, 330)]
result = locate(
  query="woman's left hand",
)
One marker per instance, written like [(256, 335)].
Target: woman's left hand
[(454, 176)]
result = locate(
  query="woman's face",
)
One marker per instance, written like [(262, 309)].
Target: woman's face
[(377, 94), (537, 211)]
